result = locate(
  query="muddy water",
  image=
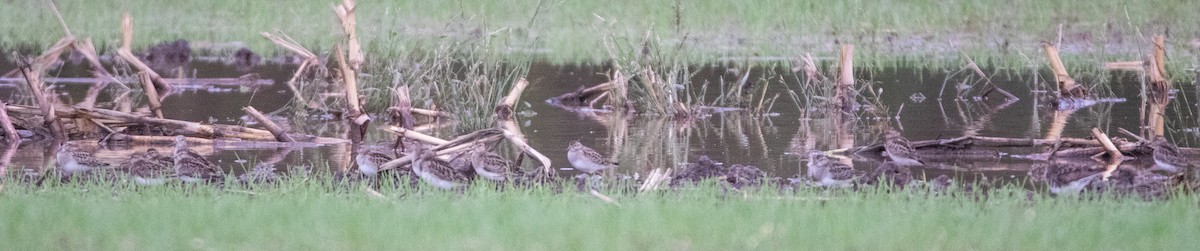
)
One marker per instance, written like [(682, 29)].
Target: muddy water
[(775, 143)]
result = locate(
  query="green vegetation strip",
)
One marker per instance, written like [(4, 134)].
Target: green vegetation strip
[(307, 215), (573, 31)]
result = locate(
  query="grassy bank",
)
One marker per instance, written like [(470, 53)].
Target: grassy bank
[(309, 216), (573, 31)]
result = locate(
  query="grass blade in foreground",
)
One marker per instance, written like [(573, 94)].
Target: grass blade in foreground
[(307, 216)]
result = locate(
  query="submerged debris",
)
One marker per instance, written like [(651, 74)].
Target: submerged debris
[(704, 168), (167, 56), (917, 97), (738, 176), (245, 60)]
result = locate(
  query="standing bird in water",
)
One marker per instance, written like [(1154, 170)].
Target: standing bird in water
[(1167, 156), (72, 160), (191, 167), (587, 160), (900, 150)]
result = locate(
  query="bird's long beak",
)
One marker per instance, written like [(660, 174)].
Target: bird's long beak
[(832, 153)]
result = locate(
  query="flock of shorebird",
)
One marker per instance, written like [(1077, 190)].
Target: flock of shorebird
[(826, 171), (479, 162), (146, 168), (151, 167)]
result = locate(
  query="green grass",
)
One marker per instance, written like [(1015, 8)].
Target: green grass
[(573, 31), (311, 215)]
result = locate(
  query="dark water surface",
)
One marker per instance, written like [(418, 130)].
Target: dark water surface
[(775, 143)]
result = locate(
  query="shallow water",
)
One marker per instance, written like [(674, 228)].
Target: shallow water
[(775, 143)]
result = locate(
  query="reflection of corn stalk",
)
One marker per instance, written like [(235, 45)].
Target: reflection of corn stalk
[(746, 130), (659, 145), (1159, 87), (1156, 120), (804, 140), (618, 131), (1058, 123), (655, 179), (843, 131)]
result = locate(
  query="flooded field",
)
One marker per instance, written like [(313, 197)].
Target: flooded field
[(585, 125), (776, 140)]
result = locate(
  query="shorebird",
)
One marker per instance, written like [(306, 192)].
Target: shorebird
[(461, 163), (826, 172), (487, 164), (1167, 156), (585, 159), (899, 150), (889, 174), (1070, 179), (191, 167), (153, 154), (71, 160), (435, 171), (148, 169), (133, 158), (370, 161)]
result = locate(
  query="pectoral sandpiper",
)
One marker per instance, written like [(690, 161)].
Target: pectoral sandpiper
[(895, 176), (72, 160), (146, 169), (585, 159), (164, 160), (191, 167), (487, 164), (826, 172), (435, 171), (900, 150), (370, 161), (1167, 156), (1071, 178)]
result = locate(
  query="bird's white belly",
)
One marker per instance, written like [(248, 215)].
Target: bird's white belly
[(74, 167), (829, 181), (366, 167), (1166, 166), (190, 179), (583, 164), (1074, 187), (489, 175), (435, 180), (149, 181)]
